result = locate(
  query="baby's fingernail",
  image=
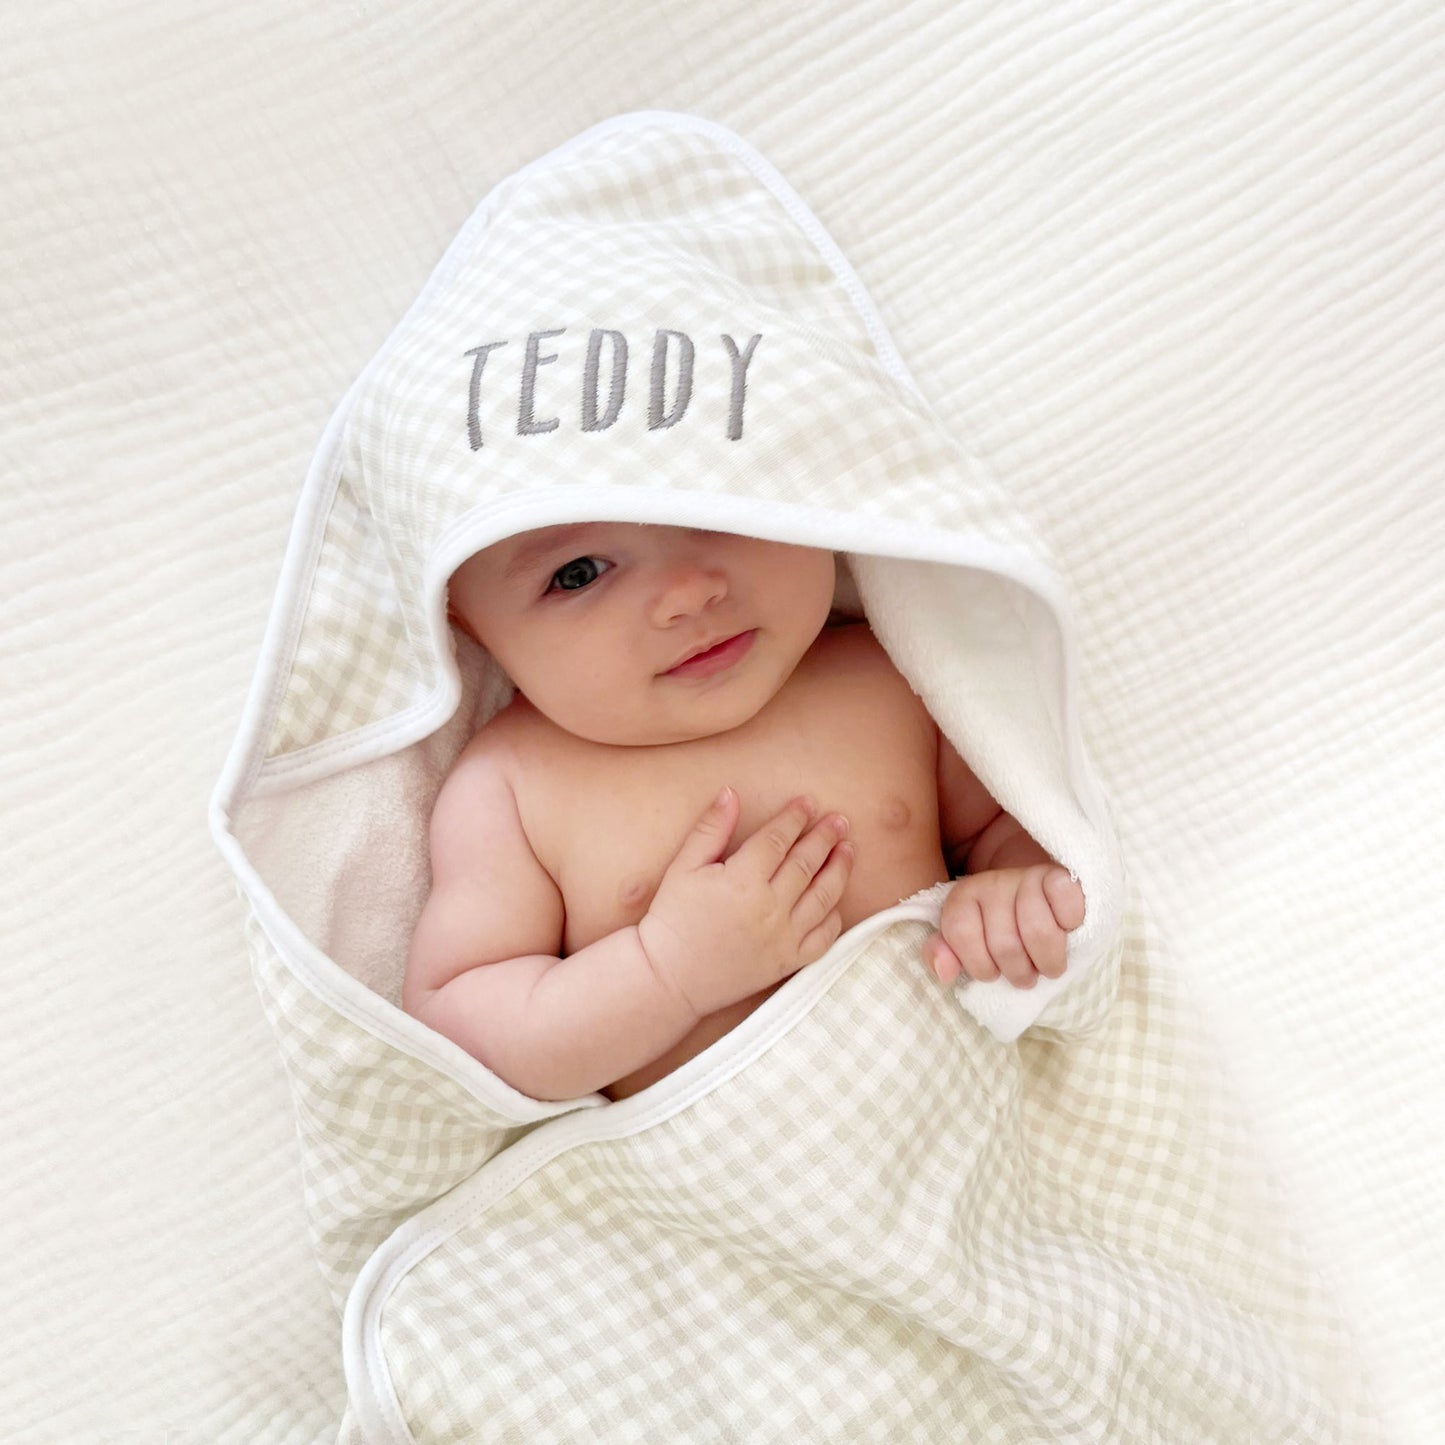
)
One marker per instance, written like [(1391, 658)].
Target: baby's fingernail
[(840, 826)]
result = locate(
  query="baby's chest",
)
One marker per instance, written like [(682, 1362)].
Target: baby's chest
[(614, 824)]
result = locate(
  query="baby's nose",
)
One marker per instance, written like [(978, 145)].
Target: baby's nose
[(686, 588)]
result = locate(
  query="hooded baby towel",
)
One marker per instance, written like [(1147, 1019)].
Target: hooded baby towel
[(879, 1208)]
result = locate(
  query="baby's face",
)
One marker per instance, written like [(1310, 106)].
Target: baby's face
[(595, 623)]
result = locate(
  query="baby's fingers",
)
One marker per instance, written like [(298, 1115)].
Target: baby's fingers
[(815, 944), (1005, 947), (1043, 939), (941, 958), (799, 870), (768, 851), (963, 935), (825, 888), (1066, 898)]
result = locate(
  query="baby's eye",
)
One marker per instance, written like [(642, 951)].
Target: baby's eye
[(577, 574)]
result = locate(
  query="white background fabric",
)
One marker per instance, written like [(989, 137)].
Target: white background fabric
[(1176, 270)]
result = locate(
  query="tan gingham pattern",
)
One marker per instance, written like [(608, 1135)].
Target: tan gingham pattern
[(891, 1227), (638, 230), (381, 1134), (353, 617)]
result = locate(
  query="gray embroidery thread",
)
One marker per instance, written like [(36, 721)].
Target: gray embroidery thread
[(474, 391), (656, 420), (593, 419), (617, 386), (740, 374), (527, 425)]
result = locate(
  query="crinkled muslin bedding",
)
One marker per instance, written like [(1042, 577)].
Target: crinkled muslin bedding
[(880, 1208), (1171, 280)]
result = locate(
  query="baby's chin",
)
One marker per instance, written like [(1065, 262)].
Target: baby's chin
[(655, 728), (656, 736)]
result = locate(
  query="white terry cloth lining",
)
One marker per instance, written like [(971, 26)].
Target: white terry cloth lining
[(249, 774), (971, 615)]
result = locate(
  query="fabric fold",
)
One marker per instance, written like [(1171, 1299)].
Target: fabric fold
[(945, 1211)]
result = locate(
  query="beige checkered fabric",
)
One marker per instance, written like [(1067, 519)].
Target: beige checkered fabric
[(888, 1227), (358, 661), (642, 230), (380, 1132)]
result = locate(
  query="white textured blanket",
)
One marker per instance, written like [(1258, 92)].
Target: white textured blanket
[(873, 1211), (1177, 269)]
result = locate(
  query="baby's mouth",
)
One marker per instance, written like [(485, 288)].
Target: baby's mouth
[(717, 658)]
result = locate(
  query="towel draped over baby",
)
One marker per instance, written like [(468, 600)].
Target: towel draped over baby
[(879, 1208)]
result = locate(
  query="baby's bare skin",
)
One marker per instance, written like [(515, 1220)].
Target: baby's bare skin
[(606, 821), (600, 912)]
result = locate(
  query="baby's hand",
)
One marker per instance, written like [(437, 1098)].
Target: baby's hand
[(718, 932), (1009, 921)]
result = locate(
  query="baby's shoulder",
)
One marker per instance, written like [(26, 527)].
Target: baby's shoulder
[(492, 761), (487, 807), (515, 730)]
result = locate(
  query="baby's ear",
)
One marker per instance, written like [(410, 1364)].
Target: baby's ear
[(455, 619)]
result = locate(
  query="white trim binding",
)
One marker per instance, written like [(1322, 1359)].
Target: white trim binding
[(247, 772), (368, 1380)]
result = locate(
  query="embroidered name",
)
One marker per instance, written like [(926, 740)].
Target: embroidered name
[(669, 391)]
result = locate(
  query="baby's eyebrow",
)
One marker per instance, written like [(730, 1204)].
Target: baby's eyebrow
[(526, 555)]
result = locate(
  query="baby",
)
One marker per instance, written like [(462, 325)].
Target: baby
[(628, 858)]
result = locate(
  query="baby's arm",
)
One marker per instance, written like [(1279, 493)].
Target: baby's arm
[(484, 970), (1012, 910)]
